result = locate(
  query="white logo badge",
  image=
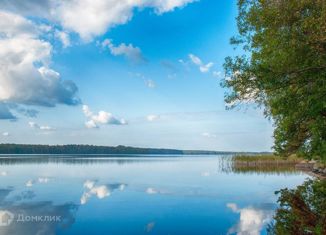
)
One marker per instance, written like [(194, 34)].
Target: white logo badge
[(6, 218)]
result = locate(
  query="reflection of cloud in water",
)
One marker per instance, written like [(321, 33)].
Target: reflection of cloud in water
[(41, 180), (122, 187), (151, 191), (25, 195), (4, 173), (84, 159), (100, 191), (205, 174), (150, 226), (252, 219), (29, 183), (4, 193), (66, 212)]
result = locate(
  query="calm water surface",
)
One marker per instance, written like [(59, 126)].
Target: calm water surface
[(143, 195)]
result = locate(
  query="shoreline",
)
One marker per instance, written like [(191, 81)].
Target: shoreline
[(311, 168)]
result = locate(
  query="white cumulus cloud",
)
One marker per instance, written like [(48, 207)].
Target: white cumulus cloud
[(132, 53), (37, 126), (217, 74), (251, 220), (205, 173), (29, 183), (100, 192), (89, 18), (40, 180), (63, 37), (150, 83), (101, 118), (5, 134), (152, 117), (204, 68), (25, 73), (151, 191), (208, 135)]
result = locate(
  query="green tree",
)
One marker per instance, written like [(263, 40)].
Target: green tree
[(283, 69)]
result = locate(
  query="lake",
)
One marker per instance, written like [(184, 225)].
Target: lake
[(136, 195)]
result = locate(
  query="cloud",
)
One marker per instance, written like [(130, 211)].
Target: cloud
[(40, 180), (132, 53), (5, 134), (43, 128), (168, 5), (89, 18), (251, 220), (205, 174), (5, 113), (29, 183), (151, 191), (25, 73), (30, 7), (208, 135), (22, 110), (181, 61), (204, 68), (122, 187), (217, 74), (95, 120), (7, 108), (100, 191), (150, 83), (63, 37), (169, 66), (152, 117), (43, 180)]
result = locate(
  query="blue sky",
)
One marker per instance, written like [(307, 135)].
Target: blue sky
[(139, 73)]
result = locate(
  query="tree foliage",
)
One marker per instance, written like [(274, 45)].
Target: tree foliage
[(302, 210), (283, 69), (94, 149), (80, 149)]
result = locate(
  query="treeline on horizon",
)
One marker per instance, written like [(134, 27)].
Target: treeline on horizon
[(92, 149)]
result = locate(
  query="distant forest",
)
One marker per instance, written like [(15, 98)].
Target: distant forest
[(92, 149)]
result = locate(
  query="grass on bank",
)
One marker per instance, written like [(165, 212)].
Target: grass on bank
[(268, 158)]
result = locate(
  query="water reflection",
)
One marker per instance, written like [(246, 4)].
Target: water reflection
[(40, 180), (20, 214), (224, 164), (161, 195), (150, 226), (25, 195), (252, 219), (100, 191), (302, 210), (84, 160), (263, 169)]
